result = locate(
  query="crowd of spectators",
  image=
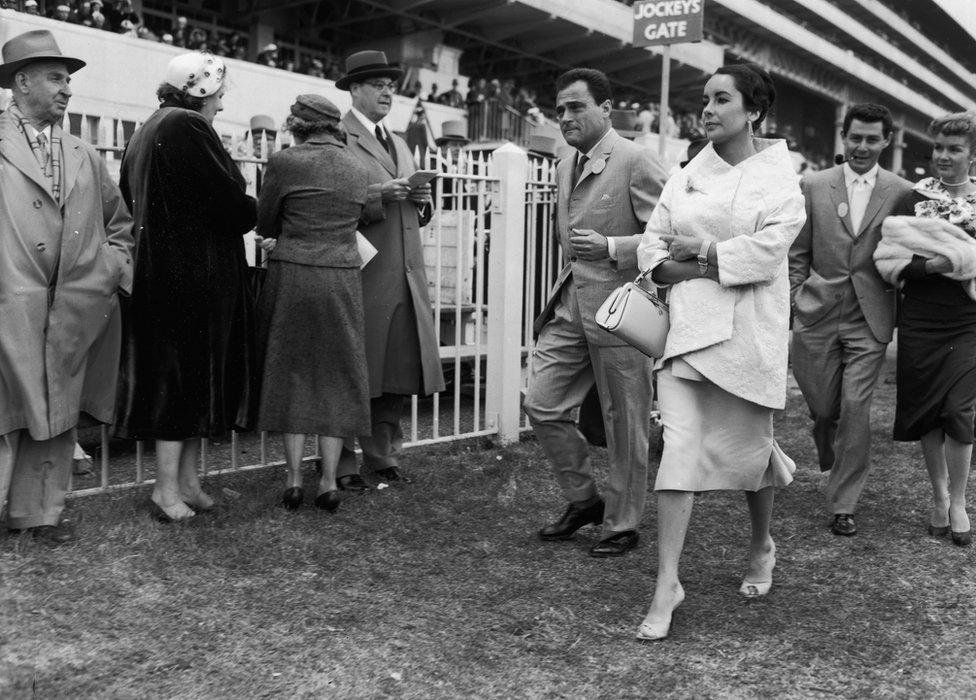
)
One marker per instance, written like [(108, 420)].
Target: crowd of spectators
[(483, 94)]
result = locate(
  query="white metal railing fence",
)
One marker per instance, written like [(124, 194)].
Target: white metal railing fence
[(490, 263)]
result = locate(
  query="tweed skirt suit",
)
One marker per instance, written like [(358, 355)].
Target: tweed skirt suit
[(311, 329)]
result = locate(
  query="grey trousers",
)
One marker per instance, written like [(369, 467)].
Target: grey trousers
[(564, 367), (836, 362), (381, 449), (37, 474)]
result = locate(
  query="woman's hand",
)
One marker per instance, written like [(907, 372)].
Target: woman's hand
[(938, 265), (266, 244), (682, 247)]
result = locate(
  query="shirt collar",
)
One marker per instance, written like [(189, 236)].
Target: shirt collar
[(33, 131), (870, 177), (596, 147), (369, 123)]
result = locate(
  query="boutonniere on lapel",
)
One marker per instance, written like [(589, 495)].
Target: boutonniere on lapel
[(597, 166), (691, 186), (842, 209)]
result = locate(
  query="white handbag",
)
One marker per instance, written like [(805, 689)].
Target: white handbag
[(636, 316)]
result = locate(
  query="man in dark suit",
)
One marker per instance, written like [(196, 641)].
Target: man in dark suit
[(843, 312), (401, 346), (607, 191)]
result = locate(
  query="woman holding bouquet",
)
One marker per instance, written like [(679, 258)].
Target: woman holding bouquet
[(936, 366)]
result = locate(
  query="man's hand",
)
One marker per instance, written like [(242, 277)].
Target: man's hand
[(938, 265), (266, 244), (588, 244), (420, 194), (395, 190), (682, 247)]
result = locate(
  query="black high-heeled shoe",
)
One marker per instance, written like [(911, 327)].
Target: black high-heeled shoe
[(328, 500), (292, 497)]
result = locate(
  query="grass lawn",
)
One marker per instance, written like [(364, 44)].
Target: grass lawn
[(440, 589)]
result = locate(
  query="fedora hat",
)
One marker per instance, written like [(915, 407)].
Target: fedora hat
[(624, 122), (453, 130), (541, 145), (364, 65), (37, 45), (262, 122)]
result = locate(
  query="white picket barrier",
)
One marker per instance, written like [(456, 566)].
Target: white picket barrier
[(491, 259)]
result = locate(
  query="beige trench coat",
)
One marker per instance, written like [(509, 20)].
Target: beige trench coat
[(59, 351)]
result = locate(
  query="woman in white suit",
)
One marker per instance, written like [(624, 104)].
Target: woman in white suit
[(719, 237)]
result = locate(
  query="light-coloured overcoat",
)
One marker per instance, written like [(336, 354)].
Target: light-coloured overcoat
[(735, 332), (394, 230), (59, 352)]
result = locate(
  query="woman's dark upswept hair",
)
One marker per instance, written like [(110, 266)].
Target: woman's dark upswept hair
[(756, 86), (170, 95)]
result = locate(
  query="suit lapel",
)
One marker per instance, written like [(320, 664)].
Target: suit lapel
[(366, 140), (838, 196), (604, 155), (878, 196), (71, 159), (15, 149)]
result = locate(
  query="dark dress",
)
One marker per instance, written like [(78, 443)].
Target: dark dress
[(187, 367), (936, 365), (311, 330)]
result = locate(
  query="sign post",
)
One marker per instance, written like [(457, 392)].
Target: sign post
[(662, 23)]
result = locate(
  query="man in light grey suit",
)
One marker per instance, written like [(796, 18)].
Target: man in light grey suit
[(606, 193), (843, 312)]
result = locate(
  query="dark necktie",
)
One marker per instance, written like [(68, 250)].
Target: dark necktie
[(385, 142), (578, 172)]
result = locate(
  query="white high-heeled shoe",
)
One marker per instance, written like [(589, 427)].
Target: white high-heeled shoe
[(654, 630), (757, 589)]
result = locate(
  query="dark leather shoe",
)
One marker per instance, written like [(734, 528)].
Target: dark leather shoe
[(843, 525), (292, 497), (328, 500), (962, 539), (392, 474), (616, 545), (51, 535), (576, 516), (352, 482)]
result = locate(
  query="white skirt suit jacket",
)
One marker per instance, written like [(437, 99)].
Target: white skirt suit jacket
[(736, 332)]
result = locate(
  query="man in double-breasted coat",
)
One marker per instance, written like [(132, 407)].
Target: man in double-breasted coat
[(401, 346), (65, 253)]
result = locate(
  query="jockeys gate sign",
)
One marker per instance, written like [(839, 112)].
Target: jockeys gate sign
[(658, 22)]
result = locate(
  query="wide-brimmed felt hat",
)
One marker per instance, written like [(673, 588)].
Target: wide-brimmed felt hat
[(364, 65), (29, 47), (453, 130)]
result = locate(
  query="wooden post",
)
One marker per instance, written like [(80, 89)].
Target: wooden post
[(510, 164), (662, 120)]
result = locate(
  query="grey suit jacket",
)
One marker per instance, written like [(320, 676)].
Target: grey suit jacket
[(827, 256), (615, 196)]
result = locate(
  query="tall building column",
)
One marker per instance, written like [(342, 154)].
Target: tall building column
[(898, 150)]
